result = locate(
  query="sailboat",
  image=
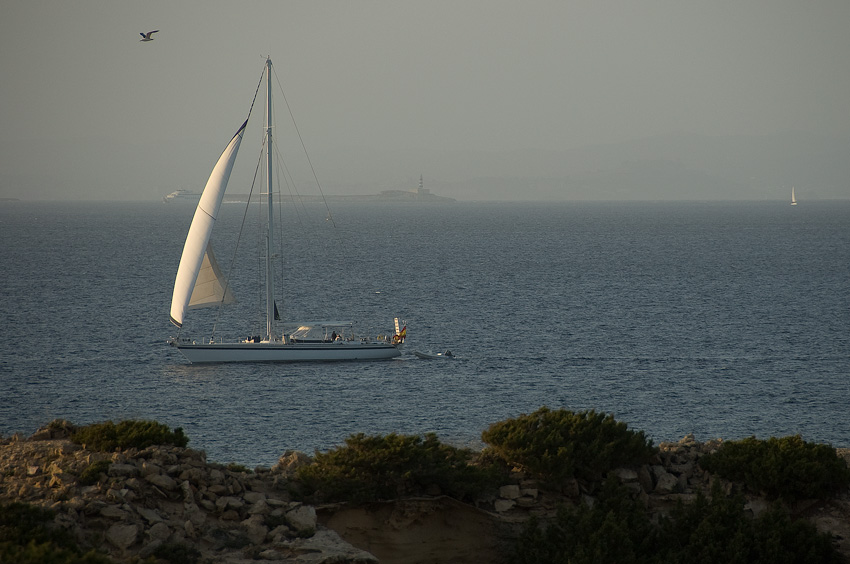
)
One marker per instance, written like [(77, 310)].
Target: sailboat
[(200, 283), (793, 197)]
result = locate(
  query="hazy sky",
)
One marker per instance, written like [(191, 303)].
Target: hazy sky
[(386, 90)]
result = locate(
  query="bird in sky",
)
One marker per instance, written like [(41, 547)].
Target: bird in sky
[(147, 36)]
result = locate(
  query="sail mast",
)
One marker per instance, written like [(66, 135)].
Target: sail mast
[(270, 230)]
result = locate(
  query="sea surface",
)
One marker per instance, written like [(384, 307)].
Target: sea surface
[(725, 319)]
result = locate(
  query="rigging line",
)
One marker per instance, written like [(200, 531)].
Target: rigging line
[(290, 183), (256, 93), (304, 147), (298, 202)]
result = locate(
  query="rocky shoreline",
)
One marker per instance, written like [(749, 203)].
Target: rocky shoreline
[(164, 495)]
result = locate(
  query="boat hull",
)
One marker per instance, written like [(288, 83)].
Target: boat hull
[(280, 352), (429, 356)]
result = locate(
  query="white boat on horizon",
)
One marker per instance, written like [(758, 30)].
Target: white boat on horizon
[(793, 197), (200, 283), (182, 196)]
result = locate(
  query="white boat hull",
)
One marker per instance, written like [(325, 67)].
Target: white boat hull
[(280, 352)]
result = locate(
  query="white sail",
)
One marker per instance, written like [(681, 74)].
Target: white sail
[(211, 288), (199, 232), (793, 197)]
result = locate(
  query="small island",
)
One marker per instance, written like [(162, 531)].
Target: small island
[(421, 194)]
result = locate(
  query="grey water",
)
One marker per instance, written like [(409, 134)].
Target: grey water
[(725, 319)]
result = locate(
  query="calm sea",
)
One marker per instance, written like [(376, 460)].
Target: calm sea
[(722, 319)]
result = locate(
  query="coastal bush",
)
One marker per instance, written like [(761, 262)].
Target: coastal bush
[(91, 474), (617, 528), (560, 445), (719, 530), (27, 536), (787, 468), (177, 553), (108, 436), (371, 468), (614, 529), (234, 467)]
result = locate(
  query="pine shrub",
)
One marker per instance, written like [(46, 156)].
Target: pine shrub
[(107, 436), (787, 468), (560, 445), (371, 468), (715, 530), (177, 553), (91, 474), (28, 536)]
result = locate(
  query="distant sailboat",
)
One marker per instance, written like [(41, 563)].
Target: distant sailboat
[(793, 197)]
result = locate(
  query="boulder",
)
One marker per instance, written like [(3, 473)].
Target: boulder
[(255, 528), (667, 483), (149, 515), (326, 547), (122, 536), (625, 474), (302, 518), (645, 478), (509, 492), (150, 548), (123, 470), (113, 512), (159, 531), (162, 481), (254, 497), (290, 461)]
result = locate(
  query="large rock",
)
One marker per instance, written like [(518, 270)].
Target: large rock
[(160, 531), (302, 518), (510, 491), (290, 461), (667, 483), (124, 470), (122, 536), (255, 528), (645, 478), (326, 547), (162, 481)]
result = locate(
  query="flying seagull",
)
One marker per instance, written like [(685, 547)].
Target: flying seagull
[(147, 36)]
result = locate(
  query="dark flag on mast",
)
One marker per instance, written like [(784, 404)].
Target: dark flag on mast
[(276, 314)]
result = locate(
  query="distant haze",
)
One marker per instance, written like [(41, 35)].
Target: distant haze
[(487, 99)]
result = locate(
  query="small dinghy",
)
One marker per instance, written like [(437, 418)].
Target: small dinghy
[(447, 354)]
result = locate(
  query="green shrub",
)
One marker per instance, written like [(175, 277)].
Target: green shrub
[(108, 436), (234, 467), (387, 467), (177, 553), (788, 468), (559, 445), (27, 536), (91, 474), (718, 530), (617, 528)]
